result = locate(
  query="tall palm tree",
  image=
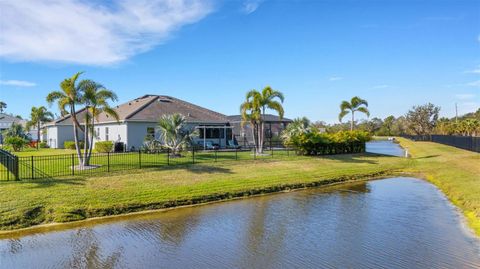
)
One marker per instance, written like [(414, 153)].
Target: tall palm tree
[(38, 116), (95, 97), (356, 104), (268, 101), (67, 97), (257, 103), (251, 113), (3, 105), (173, 133)]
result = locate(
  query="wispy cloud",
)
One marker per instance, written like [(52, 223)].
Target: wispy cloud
[(465, 96), (335, 78), (95, 32), (381, 86), (17, 83), (474, 83), (474, 71), (250, 6)]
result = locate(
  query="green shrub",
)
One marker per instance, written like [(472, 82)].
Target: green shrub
[(71, 144), (15, 142), (43, 145), (104, 146), (313, 142)]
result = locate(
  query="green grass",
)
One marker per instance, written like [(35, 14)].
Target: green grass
[(31, 202), (454, 171)]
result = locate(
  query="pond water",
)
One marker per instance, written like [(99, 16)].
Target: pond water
[(385, 147), (390, 223)]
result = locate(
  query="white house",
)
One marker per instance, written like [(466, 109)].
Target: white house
[(139, 117)]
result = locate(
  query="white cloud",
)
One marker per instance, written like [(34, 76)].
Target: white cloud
[(474, 83), (335, 78), (97, 33), (17, 83), (382, 86), (474, 71), (465, 96), (250, 6)]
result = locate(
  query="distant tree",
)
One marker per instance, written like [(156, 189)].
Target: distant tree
[(387, 126), (38, 116), (371, 126), (422, 119), (3, 105), (174, 134), (356, 104)]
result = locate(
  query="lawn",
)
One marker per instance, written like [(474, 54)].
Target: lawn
[(31, 202)]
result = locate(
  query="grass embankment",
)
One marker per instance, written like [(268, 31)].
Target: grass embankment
[(455, 171), (27, 203)]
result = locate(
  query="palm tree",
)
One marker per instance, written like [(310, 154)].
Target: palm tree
[(173, 133), (67, 97), (254, 108), (251, 113), (3, 105), (38, 116), (95, 97), (294, 129), (356, 104)]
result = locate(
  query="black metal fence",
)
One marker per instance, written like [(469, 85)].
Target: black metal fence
[(471, 143), (51, 166)]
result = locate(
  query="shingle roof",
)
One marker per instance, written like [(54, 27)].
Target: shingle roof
[(149, 108), (267, 118)]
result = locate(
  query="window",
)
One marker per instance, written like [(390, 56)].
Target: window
[(151, 132), (106, 134), (212, 132)]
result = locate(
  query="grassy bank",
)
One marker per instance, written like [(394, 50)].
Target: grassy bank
[(455, 171), (26, 203)]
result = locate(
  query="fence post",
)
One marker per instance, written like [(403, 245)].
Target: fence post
[(8, 167), (168, 156), (255, 153), (15, 167), (140, 158), (271, 149), (108, 161), (236, 154), (288, 152), (215, 155), (73, 164), (193, 155), (33, 169)]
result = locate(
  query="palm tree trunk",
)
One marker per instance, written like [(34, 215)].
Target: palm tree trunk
[(85, 141), (92, 134), (353, 120), (254, 134), (75, 137), (38, 135)]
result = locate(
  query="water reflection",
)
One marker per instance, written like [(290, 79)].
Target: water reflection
[(394, 223), (385, 147)]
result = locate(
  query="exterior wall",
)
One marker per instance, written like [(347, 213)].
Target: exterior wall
[(136, 133), (117, 132), (57, 135)]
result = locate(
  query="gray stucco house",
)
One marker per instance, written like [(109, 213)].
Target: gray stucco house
[(139, 117)]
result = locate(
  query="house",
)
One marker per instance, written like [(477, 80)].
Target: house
[(138, 119), (273, 128), (6, 121)]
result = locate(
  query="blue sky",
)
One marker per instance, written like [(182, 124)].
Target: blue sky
[(395, 54)]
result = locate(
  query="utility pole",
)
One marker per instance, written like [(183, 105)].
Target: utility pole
[(456, 113)]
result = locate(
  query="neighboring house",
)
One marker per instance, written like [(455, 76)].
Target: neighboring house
[(139, 118), (273, 127), (6, 121)]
